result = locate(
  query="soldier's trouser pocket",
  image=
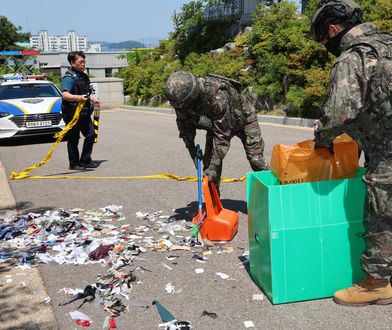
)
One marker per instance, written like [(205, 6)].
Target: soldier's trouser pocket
[(253, 136), (377, 259)]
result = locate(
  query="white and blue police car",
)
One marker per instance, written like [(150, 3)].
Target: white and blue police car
[(29, 105)]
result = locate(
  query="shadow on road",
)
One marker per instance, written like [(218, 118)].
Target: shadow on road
[(18, 206), (189, 211), (18, 303), (27, 140)]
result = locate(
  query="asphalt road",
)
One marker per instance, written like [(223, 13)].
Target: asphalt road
[(141, 143)]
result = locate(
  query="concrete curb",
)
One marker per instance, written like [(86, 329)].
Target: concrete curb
[(262, 118), (7, 200), (31, 311)]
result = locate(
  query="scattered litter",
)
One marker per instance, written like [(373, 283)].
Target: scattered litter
[(249, 324), (47, 300), (84, 323), (24, 266), (167, 266), (109, 323), (80, 237), (228, 249), (210, 314), (69, 291), (199, 258), (164, 314), (176, 325), (88, 295), (76, 315), (170, 322), (100, 252), (258, 296), (180, 247), (169, 288), (171, 257), (112, 208), (223, 276)]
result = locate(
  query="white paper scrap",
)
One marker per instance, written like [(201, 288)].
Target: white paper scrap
[(199, 270), (249, 324), (258, 296), (223, 276), (167, 266), (76, 315), (169, 288)]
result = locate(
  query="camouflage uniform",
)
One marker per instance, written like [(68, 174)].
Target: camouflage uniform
[(350, 109), (224, 112)]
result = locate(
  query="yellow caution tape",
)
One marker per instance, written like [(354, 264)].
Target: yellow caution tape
[(60, 135), (154, 176), (24, 174)]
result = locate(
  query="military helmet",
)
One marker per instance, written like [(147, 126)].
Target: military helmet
[(334, 12), (182, 89)]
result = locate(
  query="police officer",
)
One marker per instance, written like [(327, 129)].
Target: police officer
[(357, 105), (215, 104), (75, 87)]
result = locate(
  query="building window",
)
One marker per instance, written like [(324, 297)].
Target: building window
[(108, 72)]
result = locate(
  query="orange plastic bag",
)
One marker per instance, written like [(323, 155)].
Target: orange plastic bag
[(300, 162)]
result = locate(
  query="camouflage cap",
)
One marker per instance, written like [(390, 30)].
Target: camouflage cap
[(334, 12), (182, 89)]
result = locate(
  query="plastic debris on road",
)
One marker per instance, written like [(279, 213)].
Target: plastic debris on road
[(249, 324), (170, 322), (223, 276), (209, 314), (79, 237)]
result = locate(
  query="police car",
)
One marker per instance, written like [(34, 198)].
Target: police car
[(29, 105)]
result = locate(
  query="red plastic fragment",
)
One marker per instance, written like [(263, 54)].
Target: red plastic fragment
[(83, 323), (112, 323)]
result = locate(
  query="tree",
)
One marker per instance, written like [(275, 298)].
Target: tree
[(10, 34), (193, 33)]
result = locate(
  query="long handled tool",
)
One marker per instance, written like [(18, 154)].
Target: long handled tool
[(215, 223), (198, 219)]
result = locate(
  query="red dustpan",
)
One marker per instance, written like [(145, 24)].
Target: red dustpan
[(219, 224)]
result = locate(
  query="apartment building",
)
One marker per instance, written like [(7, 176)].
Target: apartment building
[(56, 43)]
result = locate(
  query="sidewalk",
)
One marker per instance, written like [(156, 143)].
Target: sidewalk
[(22, 291), (262, 118)]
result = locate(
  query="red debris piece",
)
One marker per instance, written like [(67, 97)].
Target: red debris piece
[(112, 323), (100, 252), (83, 323)]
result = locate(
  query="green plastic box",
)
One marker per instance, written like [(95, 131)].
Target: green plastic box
[(305, 240)]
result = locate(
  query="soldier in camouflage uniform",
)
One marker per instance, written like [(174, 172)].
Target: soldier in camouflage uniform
[(215, 104), (359, 103)]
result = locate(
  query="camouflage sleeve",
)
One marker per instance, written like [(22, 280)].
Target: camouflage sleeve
[(346, 97), (186, 128), (221, 126)]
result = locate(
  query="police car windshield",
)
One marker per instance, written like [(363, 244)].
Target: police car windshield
[(22, 91)]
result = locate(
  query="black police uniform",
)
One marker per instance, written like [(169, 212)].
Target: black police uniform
[(80, 86)]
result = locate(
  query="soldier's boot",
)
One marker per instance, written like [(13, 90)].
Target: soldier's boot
[(259, 164), (369, 291)]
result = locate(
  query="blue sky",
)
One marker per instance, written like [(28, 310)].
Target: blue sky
[(104, 20)]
